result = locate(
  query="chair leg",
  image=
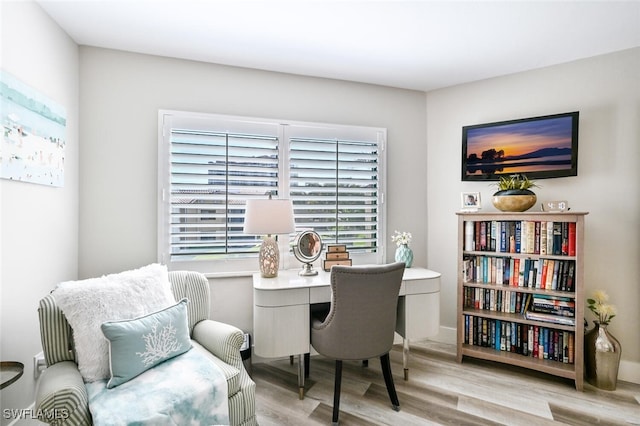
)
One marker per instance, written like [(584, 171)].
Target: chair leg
[(336, 392), (385, 363), (307, 364)]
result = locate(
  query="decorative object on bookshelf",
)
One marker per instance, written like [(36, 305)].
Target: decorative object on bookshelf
[(555, 206), (403, 251), (602, 350), (514, 194), (470, 201), (307, 249)]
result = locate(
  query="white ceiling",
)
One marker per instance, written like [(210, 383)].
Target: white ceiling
[(420, 45)]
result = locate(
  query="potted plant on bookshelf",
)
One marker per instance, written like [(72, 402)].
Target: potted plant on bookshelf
[(403, 251), (514, 193), (601, 349)]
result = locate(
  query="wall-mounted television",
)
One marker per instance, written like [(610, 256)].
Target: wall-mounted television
[(538, 147)]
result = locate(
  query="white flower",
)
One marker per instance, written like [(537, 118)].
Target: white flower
[(401, 238), (599, 306)]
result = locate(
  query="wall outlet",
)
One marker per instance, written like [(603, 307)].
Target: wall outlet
[(39, 365)]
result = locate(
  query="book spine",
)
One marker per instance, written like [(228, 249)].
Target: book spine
[(564, 245), (549, 237), (469, 242), (572, 239)]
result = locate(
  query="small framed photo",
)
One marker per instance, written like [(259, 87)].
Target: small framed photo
[(470, 201)]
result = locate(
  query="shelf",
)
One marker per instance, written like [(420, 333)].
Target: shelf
[(519, 318), (503, 287), (518, 255), (544, 365)]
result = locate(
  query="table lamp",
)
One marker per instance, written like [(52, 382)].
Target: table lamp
[(269, 217)]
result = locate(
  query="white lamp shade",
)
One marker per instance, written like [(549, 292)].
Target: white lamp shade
[(269, 216)]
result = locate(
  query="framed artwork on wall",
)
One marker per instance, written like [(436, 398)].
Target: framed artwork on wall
[(33, 134)]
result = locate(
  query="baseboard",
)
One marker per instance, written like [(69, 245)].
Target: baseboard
[(629, 371), (446, 335)]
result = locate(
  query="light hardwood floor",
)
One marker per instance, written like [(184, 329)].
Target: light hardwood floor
[(439, 392)]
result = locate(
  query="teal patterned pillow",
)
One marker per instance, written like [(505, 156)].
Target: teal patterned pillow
[(139, 344)]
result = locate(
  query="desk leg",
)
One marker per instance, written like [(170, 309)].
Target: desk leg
[(301, 376), (405, 358)]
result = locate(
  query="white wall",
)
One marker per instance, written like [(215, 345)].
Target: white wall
[(38, 224), (606, 91), (121, 94)]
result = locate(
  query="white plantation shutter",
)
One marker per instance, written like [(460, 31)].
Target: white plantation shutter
[(209, 165), (335, 184)]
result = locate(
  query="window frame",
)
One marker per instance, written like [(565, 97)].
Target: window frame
[(248, 265)]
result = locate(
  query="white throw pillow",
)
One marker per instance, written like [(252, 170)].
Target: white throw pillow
[(89, 303)]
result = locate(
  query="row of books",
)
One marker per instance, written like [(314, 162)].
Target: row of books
[(535, 307), (521, 236), (548, 274), (527, 340)]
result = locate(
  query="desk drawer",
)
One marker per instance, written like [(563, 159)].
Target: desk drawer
[(431, 285), (320, 294), (287, 297)]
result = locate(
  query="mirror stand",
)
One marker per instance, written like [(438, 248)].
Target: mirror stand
[(307, 270)]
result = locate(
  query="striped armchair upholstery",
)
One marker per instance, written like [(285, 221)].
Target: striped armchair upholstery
[(61, 390)]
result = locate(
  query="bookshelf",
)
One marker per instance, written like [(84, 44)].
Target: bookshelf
[(521, 290)]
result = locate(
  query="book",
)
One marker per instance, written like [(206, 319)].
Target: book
[(572, 239), (543, 279), (550, 318), (557, 238), (518, 236), (549, 237), (571, 348), (564, 250), (550, 268)]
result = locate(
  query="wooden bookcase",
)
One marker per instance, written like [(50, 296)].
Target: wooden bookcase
[(478, 284)]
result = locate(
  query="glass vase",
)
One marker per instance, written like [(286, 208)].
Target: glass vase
[(601, 357), (404, 254)]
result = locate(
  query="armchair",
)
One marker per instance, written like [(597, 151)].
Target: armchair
[(61, 388)]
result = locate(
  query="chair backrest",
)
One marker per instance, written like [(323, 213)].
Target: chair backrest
[(362, 318), (56, 334)]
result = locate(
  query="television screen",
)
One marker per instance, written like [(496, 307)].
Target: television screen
[(538, 147)]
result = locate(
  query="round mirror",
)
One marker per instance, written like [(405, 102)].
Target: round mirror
[(307, 249)]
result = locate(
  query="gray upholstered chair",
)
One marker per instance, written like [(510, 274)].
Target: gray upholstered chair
[(361, 321), (61, 388)]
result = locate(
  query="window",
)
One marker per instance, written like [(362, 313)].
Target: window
[(209, 165)]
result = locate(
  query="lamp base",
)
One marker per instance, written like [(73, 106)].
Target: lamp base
[(269, 257)]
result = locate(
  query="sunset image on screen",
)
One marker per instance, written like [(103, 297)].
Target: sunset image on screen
[(520, 147)]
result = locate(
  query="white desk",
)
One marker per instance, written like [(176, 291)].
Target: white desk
[(281, 312)]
